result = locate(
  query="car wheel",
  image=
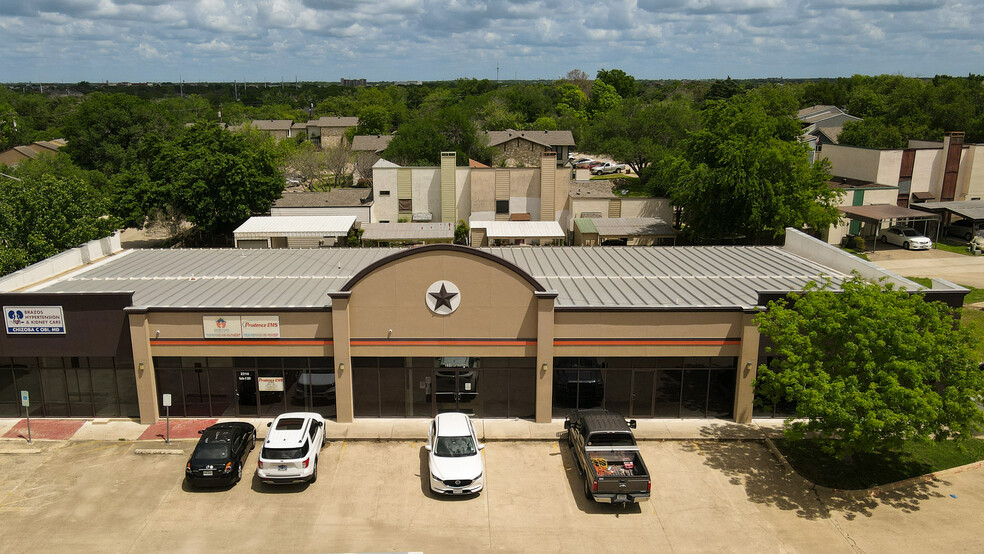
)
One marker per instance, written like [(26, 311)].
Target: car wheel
[(587, 489), (239, 471), (252, 443), (968, 236), (314, 475), (905, 245), (883, 239)]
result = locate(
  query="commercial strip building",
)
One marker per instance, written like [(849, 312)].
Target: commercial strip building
[(373, 332)]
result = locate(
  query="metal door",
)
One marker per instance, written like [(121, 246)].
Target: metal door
[(642, 392), (246, 392)]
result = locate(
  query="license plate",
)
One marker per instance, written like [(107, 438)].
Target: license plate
[(206, 473), (456, 491), (282, 468), (621, 498)]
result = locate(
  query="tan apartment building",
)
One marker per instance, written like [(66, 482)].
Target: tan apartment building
[(526, 148)]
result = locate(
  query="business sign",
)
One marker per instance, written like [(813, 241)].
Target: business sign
[(270, 384), (222, 327), (261, 327), (34, 320), (241, 327)]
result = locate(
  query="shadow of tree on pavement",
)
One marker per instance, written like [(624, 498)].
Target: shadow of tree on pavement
[(751, 465)]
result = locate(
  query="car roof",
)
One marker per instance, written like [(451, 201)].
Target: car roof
[(597, 420), (293, 437), (452, 424)]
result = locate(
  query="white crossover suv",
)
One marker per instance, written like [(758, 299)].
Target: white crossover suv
[(454, 460), (290, 451)]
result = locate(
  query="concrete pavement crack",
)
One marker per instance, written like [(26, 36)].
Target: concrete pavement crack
[(829, 517)]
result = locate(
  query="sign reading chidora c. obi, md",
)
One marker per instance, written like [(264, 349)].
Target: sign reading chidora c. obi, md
[(241, 327), (34, 320)]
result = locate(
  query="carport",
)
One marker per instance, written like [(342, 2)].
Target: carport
[(872, 216), (968, 209)]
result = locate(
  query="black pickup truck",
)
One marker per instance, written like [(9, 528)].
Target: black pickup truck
[(606, 453)]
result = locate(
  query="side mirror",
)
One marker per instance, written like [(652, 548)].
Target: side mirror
[(201, 431), (481, 446), (269, 423), (632, 424), (427, 447), (567, 424)]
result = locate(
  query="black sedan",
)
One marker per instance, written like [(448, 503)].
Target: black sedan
[(221, 453)]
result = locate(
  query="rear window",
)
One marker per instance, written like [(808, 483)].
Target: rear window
[(611, 439), (216, 451), (284, 453), (290, 424)]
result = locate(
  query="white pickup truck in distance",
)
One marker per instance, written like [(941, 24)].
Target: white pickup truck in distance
[(607, 167), (606, 453)]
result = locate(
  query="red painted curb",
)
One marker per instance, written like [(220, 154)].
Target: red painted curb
[(180, 429)]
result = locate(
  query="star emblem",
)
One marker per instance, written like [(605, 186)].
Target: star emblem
[(443, 297)]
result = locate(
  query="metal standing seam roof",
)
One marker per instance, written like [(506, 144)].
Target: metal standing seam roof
[(693, 277), (261, 227), (408, 231), (520, 229), (876, 213)]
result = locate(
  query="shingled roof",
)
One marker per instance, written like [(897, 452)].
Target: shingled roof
[(545, 138)]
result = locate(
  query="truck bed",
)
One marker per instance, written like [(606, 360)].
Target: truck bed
[(617, 464)]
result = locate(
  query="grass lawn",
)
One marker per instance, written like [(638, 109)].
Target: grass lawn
[(869, 470), (953, 246)]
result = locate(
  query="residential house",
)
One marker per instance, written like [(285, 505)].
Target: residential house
[(313, 231), (278, 128), (18, 154), (822, 124), (327, 132), (371, 143), (526, 148)]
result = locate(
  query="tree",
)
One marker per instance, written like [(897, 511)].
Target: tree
[(638, 133), (579, 79), (213, 178), (623, 83), (308, 162), (869, 367), (337, 158), (373, 120), (363, 167), (43, 215), (421, 140), (744, 173), (461, 232), (871, 133), (603, 98)]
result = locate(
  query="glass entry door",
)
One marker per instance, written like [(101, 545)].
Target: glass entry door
[(246, 392), (456, 390)]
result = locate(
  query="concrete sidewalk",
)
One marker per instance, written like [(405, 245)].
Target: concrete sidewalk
[(14, 430)]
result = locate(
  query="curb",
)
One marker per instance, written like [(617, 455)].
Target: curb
[(21, 451), (158, 451), (878, 489)]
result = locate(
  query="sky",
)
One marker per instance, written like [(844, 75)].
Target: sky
[(401, 40)]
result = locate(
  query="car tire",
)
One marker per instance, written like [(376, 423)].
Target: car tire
[(252, 444), (239, 471), (883, 239), (587, 488), (968, 236), (905, 245), (314, 475)]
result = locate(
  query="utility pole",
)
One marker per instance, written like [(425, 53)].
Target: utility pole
[(235, 89), (181, 85), (496, 72)]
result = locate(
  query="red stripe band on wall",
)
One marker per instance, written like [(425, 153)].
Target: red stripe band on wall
[(448, 342), (646, 342), (238, 342)]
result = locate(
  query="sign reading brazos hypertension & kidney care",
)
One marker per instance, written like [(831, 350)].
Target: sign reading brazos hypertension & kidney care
[(241, 327), (34, 320)]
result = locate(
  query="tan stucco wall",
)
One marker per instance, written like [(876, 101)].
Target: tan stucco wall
[(856, 163), (483, 192), (495, 303)]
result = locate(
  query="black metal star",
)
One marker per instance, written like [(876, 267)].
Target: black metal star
[(443, 298)]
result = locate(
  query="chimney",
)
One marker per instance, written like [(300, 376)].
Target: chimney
[(548, 186), (449, 210)]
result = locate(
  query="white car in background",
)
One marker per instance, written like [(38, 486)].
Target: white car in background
[(906, 237), (453, 458), (290, 451)]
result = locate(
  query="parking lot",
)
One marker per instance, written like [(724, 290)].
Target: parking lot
[(370, 496)]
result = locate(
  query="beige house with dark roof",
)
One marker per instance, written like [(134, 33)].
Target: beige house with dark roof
[(371, 143), (278, 128), (328, 131), (526, 148)]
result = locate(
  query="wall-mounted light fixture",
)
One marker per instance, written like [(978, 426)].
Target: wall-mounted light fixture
[(140, 366), (543, 369), (341, 367)]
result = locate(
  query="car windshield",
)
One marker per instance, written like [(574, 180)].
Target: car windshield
[(910, 232), (284, 453), (215, 451), (455, 447)]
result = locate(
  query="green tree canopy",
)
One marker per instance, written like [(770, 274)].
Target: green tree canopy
[(604, 98), (623, 83), (213, 178), (744, 173), (373, 120), (43, 215), (870, 367), (638, 133), (421, 140)]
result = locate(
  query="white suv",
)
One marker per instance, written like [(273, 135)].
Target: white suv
[(453, 455), (290, 451)]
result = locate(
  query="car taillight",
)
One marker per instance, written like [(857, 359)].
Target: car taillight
[(228, 467), (259, 464), (649, 486), (188, 467), (594, 486), (306, 462)]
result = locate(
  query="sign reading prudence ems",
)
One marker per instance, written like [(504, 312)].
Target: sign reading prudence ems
[(34, 320), (241, 327)]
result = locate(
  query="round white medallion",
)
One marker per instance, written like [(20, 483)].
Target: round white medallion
[(442, 297)]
